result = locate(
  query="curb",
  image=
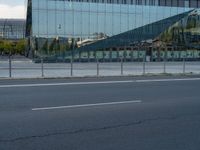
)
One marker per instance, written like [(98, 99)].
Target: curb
[(101, 77)]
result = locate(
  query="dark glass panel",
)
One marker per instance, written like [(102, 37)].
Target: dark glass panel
[(168, 3), (193, 3), (162, 2), (181, 3), (198, 2), (174, 3)]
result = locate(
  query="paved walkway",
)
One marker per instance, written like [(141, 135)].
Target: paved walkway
[(28, 69)]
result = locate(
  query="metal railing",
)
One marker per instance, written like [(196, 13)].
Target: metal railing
[(12, 68)]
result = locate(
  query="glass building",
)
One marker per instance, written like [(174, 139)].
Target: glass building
[(12, 29), (86, 30)]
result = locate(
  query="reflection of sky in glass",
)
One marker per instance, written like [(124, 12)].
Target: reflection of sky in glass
[(12, 2), (76, 19)]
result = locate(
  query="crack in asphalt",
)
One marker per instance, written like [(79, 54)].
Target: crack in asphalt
[(65, 132)]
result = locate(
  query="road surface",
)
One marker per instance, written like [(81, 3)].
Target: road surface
[(121, 113)]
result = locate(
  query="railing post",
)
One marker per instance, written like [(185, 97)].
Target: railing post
[(97, 60), (71, 62), (122, 66), (10, 66), (164, 66), (144, 66), (42, 66), (165, 58), (184, 65)]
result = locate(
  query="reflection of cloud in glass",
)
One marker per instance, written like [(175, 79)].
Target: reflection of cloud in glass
[(12, 2), (7, 11)]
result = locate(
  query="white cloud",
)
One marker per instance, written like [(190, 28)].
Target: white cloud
[(7, 11)]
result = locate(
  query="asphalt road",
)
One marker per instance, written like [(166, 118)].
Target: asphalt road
[(140, 113)]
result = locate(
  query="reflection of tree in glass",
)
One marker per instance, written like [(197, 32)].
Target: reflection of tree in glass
[(191, 22)]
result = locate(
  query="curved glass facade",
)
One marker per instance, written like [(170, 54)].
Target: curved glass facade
[(85, 19), (58, 26)]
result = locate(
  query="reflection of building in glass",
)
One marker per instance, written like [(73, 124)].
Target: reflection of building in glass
[(110, 29), (12, 29)]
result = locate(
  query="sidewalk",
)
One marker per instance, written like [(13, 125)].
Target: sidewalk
[(28, 69)]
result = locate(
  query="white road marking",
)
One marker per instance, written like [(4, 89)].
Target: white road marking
[(67, 83), (86, 105), (168, 80), (98, 82)]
